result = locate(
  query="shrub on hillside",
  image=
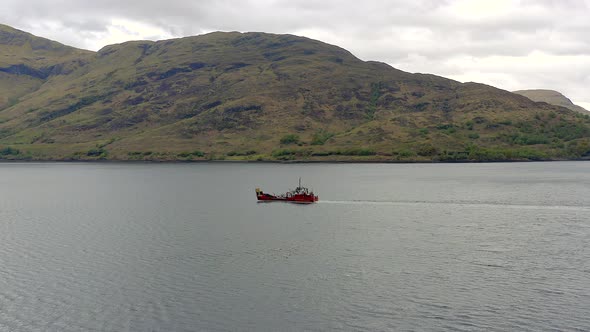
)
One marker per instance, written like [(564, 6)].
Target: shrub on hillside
[(8, 151), (321, 137), (426, 150), (290, 139)]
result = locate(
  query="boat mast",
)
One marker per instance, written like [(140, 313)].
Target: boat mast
[(299, 182)]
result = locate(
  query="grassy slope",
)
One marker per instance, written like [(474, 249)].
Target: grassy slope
[(264, 96), (551, 97), (26, 61)]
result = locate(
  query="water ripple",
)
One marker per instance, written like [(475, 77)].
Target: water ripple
[(151, 247)]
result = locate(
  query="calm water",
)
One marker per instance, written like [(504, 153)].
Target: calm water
[(185, 247)]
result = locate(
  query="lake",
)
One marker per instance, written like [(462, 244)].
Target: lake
[(186, 247)]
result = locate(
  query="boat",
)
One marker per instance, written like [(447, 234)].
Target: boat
[(298, 195)]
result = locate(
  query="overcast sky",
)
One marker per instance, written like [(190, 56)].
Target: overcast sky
[(510, 44)]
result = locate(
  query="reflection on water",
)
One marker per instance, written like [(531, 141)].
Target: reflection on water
[(178, 247)]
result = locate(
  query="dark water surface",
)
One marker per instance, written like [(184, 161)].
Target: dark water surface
[(185, 247)]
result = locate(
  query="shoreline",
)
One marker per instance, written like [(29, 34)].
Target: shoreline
[(120, 161)]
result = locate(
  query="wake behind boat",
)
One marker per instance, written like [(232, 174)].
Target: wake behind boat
[(299, 195)]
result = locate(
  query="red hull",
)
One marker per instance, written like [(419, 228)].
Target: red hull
[(298, 195), (292, 199)]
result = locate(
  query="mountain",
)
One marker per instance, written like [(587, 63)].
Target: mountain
[(27, 61), (551, 97), (259, 96)]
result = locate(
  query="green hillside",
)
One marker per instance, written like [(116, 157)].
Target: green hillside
[(27, 61), (258, 96)]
